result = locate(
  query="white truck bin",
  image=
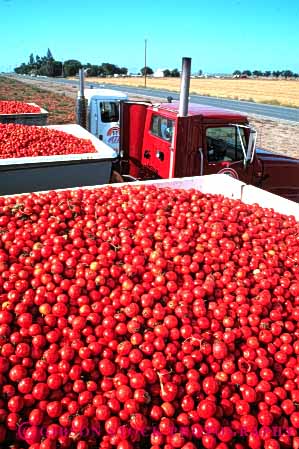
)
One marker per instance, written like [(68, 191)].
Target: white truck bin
[(26, 118), (32, 174)]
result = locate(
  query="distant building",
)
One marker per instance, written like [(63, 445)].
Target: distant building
[(242, 76), (159, 73)]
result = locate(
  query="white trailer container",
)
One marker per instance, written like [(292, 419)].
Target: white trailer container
[(32, 174), (231, 188), (27, 118), (221, 185)]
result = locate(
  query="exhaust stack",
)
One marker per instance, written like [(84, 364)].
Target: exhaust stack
[(81, 103), (185, 86)]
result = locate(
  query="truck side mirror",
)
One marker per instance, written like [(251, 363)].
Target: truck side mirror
[(249, 152), (251, 146)]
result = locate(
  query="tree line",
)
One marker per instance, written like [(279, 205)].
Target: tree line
[(267, 73), (41, 65), (48, 66)]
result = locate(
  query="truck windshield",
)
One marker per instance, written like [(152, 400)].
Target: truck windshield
[(109, 111), (162, 127), (223, 144)]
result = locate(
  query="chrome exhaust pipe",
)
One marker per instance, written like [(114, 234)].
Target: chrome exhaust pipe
[(185, 87), (81, 110)]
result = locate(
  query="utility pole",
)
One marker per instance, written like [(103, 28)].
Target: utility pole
[(145, 70)]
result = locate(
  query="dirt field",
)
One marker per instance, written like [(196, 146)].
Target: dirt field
[(61, 107), (277, 92), (275, 135)]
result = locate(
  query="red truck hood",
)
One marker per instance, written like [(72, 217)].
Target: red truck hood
[(280, 174)]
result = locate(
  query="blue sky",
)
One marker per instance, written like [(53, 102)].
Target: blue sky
[(219, 35)]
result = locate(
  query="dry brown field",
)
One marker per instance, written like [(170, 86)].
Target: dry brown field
[(276, 92)]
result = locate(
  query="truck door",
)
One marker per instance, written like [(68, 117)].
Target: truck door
[(224, 153), (132, 124), (157, 157), (108, 122)]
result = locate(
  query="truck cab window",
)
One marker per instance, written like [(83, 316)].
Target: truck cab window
[(162, 127), (223, 144), (109, 111)]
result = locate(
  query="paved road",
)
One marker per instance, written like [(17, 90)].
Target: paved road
[(276, 112), (265, 110)]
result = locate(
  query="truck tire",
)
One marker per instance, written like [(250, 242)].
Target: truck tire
[(115, 178)]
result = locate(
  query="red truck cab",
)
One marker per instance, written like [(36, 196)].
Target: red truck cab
[(156, 142)]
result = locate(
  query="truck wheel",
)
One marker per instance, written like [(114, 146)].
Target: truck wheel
[(115, 178)]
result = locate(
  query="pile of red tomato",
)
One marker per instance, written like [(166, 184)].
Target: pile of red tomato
[(17, 107), (141, 317), (31, 141)]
